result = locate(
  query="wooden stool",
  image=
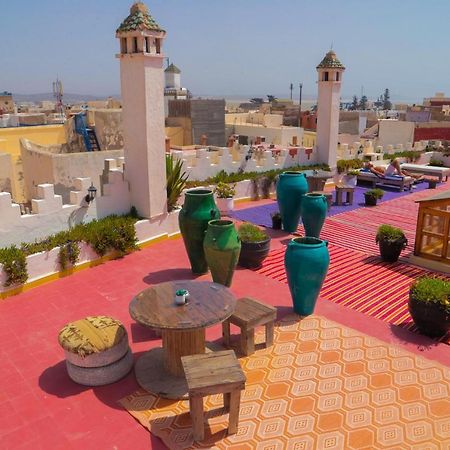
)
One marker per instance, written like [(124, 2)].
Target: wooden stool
[(209, 374), (250, 313), (328, 196), (340, 190)]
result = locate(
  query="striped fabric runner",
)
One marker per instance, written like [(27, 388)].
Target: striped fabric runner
[(363, 283), (357, 278)]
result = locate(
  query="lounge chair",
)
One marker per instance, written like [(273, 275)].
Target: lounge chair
[(394, 181), (434, 171)]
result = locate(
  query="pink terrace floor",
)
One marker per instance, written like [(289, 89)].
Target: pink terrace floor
[(41, 408)]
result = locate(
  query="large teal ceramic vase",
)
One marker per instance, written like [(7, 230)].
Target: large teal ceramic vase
[(291, 187), (222, 247), (313, 211), (306, 261), (198, 209)]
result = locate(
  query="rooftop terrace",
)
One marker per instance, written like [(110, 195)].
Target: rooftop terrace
[(356, 374)]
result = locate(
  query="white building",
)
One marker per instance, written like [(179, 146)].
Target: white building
[(173, 89)]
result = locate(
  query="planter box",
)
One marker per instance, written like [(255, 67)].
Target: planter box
[(44, 264)]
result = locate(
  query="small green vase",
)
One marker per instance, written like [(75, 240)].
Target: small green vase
[(306, 262), (222, 248), (314, 211), (198, 209)]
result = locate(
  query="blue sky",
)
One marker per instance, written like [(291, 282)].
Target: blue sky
[(233, 47)]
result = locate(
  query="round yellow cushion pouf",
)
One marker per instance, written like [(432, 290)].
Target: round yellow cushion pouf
[(93, 334)]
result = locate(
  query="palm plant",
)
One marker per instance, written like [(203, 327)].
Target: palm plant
[(176, 181)]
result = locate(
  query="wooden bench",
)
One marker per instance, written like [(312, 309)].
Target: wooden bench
[(210, 374), (250, 313), (340, 191)]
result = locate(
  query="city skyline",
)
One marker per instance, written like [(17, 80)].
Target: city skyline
[(233, 49)]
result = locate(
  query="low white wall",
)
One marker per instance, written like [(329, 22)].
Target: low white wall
[(43, 264), (49, 214), (201, 164)]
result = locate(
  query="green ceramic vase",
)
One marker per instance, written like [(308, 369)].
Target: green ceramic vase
[(314, 211), (290, 189), (222, 248), (306, 262), (198, 209)]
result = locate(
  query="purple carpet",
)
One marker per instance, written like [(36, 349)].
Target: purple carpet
[(260, 215)]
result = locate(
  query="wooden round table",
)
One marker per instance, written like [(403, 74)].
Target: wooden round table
[(182, 328)]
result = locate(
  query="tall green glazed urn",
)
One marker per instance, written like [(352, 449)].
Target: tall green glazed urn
[(198, 209), (313, 211), (306, 262), (222, 248), (291, 187)]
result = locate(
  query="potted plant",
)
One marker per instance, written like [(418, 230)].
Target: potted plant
[(350, 178), (276, 220), (391, 241), (432, 183), (372, 195), (225, 193), (255, 245), (429, 305)]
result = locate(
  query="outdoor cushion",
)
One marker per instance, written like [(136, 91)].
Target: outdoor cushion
[(93, 334), (425, 168)]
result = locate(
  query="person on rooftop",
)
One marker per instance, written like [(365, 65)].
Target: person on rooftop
[(393, 168)]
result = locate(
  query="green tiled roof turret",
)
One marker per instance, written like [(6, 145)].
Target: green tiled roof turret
[(330, 62), (139, 19)]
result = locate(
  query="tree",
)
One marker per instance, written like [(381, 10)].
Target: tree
[(271, 98), (355, 103), (363, 103), (386, 102), (379, 102), (257, 100)]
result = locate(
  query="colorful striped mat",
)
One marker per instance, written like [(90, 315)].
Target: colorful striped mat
[(361, 282)]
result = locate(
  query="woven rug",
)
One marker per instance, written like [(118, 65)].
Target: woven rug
[(320, 386), (363, 283)]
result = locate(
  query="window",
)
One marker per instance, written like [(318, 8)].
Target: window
[(123, 45), (325, 76), (135, 47), (148, 45), (158, 45), (337, 76)]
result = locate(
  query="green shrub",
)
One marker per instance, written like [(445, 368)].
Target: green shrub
[(14, 264), (176, 181), (224, 190), (431, 290), (344, 165), (377, 193), (410, 155), (68, 252), (436, 162), (111, 233), (389, 233), (225, 177), (251, 233), (353, 173)]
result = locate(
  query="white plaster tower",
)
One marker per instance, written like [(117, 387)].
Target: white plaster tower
[(330, 72), (142, 86)]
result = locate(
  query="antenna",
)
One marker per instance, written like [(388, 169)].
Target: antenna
[(58, 94), (331, 46)]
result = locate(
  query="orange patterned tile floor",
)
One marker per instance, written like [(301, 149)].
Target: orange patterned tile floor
[(320, 386)]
